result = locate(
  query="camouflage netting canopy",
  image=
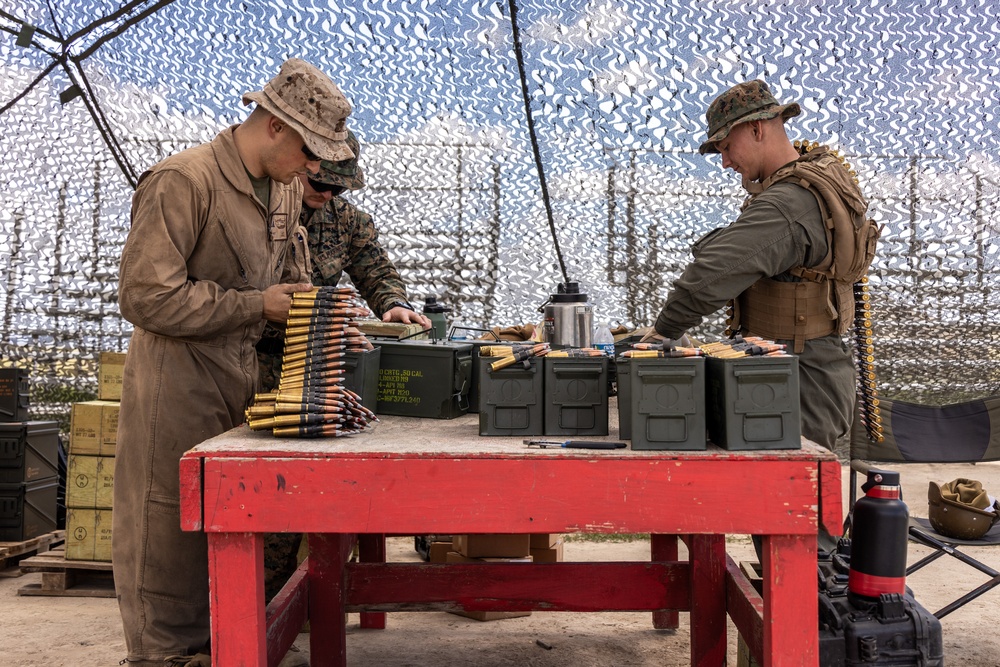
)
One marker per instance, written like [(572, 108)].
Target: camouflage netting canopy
[(95, 91)]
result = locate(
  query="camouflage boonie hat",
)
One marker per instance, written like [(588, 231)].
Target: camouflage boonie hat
[(345, 173), (311, 104), (742, 103)]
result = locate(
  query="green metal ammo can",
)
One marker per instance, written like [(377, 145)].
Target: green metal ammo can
[(421, 378), (753, 402)]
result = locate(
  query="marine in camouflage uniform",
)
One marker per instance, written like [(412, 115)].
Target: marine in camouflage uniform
[(341, 238), (338, 237), (780, 229)]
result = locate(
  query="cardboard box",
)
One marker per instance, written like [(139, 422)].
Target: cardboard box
[(492, 545), (110, 368), (94, 428), (90, 481), (438, 551), (88, 534), (490, 615), (454, 557), (544, 540), (553, 554)]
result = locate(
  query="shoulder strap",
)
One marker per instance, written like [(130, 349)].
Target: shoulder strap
[(850, 234)]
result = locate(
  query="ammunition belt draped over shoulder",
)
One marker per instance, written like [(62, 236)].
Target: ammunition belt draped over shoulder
[(822, 302)]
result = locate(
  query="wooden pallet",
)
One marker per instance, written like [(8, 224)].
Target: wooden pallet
[(12, 553), (68, 578)]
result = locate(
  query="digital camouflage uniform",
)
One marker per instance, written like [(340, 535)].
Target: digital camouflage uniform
[(340, 238)]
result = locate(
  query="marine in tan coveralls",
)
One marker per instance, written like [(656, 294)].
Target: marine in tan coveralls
[(780, 230), (203, 268)]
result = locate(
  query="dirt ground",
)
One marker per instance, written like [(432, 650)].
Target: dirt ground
[(86, 632)]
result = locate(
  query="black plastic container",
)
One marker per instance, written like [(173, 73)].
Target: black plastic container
[(891, 629), (29, 451)]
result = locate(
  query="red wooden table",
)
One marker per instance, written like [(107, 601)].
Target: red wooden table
[(415, 476)]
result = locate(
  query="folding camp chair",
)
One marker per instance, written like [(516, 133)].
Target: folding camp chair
[(966, 432)]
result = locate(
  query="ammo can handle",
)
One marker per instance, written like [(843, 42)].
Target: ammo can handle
[(662, 372), (575, 369), (746, 372)]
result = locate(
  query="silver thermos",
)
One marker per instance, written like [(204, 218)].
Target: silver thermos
[(569, 319)]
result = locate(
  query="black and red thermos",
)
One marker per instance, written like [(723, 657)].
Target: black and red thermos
[(878, 537)]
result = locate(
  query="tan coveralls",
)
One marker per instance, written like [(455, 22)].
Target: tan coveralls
[(201, 251)]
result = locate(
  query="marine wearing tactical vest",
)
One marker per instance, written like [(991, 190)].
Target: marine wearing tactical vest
[(822, 303), (789, 261)]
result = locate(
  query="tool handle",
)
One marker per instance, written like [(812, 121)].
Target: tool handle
[(594, 444)]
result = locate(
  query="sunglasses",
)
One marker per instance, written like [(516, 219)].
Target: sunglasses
[(325, 187), (312, 157)]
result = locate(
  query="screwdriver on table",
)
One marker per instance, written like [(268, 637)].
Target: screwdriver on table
[(576, 444)]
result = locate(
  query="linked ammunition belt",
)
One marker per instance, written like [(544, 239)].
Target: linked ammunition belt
[(864, 345), (311, 400), (735, 347), (508, 355)]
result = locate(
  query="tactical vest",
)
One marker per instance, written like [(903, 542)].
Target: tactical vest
[(822, 303)]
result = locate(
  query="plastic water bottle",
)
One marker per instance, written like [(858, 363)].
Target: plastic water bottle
[(435, 312), (604, 340)]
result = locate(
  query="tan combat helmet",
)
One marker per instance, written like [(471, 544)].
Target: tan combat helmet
[(961, 509)]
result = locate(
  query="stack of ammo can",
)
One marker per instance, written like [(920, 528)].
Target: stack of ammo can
[(29, 464), (311, 400)]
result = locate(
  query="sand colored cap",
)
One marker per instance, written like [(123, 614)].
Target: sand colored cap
[(311, 104), (742, 103), (345, 173)]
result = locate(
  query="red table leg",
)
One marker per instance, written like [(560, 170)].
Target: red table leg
[(236, 576), (707, 554), (328, 553), (371, 549), (791, 606), (664, 548)]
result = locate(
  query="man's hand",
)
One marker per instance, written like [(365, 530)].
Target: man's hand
[(652, 337), (406, 316), (278, 300)]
